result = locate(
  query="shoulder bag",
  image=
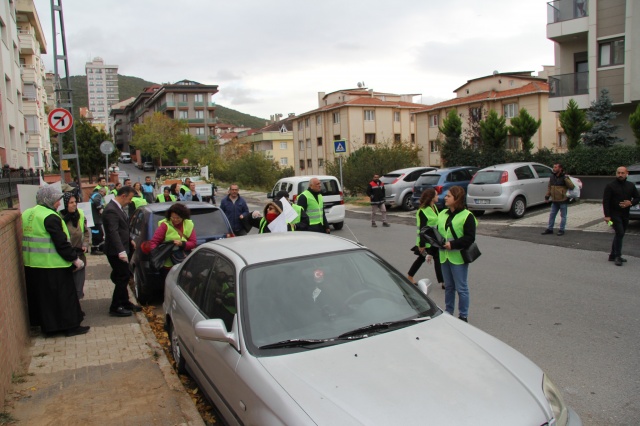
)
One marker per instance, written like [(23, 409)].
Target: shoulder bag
[(471, 253), (159, 255)]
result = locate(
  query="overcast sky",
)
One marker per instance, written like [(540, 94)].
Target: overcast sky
[(274, 56)]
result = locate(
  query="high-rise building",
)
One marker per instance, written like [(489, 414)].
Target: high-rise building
[(102, 91), (596, 47)]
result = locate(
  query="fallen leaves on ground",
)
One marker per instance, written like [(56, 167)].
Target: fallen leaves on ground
[(156, 322)]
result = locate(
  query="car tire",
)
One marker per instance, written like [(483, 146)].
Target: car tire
[(338, 225), (140, 292), (518, 208), (406, 202), (181, 367), (477, 213)]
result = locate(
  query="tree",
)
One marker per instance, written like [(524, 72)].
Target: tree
[(634, 123), (89, 138), (493, 131), (472, 133), (574, 123), (524, 126), (602, 132), (452, 130), (164, 138)]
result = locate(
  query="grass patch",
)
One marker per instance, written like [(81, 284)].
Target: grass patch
[(20, 377), (6, 418)]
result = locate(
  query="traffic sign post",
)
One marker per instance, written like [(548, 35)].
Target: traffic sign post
[(60, 120), (340, 149), (107, 148)]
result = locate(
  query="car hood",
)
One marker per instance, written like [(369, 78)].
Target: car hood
[(441, 371)]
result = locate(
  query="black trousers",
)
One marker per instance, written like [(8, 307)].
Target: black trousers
[(120, 276), (420, 261), (620, 225)]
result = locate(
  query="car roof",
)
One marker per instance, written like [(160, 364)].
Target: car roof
[(272, 247), (448, 169), (305, 178), (634, 167), (510, 165), (192, 205), (410, 169)]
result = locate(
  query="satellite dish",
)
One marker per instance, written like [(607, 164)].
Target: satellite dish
[(359, 85), (495, 72)]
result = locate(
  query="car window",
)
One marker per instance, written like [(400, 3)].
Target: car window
[(328, 187), (219, 300), (206, 222), (428, 180), (390, 177), (457, 176), (137, 221), (523, 173), (634, 178), (542, 171), (194, 275), (488, 177)]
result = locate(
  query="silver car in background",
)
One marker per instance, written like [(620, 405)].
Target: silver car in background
[(510, 187), (301, 328), (398, 186), (634, 177)]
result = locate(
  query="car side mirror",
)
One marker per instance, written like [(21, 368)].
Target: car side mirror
[(424, 285), (216, 331)]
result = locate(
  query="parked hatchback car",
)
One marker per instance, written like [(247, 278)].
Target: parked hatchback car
[(323, 331), (332, 196), (634, 177), (398, 186), (148, 166), (441, 180), (210, 224), (510, 187)]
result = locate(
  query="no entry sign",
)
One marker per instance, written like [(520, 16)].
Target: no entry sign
[(60, 120)]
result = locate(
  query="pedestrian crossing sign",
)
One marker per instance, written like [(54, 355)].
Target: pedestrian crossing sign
[(340, 147)]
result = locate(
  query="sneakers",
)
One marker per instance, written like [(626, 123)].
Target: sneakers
[(461, 318), (385, 225), (618, 261), (560, 233), (612, 258), (373, 225), (547, 232)]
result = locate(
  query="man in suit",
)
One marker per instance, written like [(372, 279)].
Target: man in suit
[(118, 247)]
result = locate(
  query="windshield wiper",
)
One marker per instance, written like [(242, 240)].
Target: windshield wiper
[(291, 343), (380, 326)]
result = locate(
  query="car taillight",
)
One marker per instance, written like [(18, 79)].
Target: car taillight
[(145, 247), (397, 179), (231, 235), (438, 189), (341, 198), (505, 177)]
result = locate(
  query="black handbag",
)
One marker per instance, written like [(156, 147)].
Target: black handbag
[(177, 256), (160, 254), (471, 253)]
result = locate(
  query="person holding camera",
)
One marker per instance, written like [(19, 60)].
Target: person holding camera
[(559, 183)]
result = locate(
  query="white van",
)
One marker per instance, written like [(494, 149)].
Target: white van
[(331, 191), (125, 157)]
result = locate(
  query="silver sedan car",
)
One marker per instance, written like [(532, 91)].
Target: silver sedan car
[(510, 187), (302, 328)]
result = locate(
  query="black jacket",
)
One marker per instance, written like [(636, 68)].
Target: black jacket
[(616, 192), (375, 191), (116, 230)]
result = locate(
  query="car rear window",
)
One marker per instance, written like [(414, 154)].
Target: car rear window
[(388, 178), (329, 187), (206, 221), (428, 180), (489, 176)]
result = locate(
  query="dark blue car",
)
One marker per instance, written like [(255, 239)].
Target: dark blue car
[(210, 224), (441, 180)]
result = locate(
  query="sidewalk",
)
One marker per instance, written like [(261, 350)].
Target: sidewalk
[(116, 374)]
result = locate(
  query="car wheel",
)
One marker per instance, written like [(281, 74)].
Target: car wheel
[(518, 208), (406, 202), (175, 351), (477, 213), (141, 294), (338, 225)]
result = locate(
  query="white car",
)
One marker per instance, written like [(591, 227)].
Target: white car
[(302, 328)]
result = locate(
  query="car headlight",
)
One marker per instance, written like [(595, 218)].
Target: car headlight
[(552, 393)]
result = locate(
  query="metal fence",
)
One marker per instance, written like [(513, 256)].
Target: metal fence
[(9, 181)]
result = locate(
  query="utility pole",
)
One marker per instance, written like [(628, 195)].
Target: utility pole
[(62, 84)]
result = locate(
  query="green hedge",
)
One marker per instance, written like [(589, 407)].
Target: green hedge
[(594, 161)]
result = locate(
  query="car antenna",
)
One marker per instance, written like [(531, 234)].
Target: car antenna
[(354, 235)]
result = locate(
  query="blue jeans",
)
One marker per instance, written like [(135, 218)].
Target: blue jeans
[(455, 280), (554, 212)]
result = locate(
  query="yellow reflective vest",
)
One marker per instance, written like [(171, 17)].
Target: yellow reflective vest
[(457, 223), (432, 220), (38, 250), (172, 234), (314, 208)]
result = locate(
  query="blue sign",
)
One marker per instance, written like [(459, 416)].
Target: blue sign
[(340, 147)]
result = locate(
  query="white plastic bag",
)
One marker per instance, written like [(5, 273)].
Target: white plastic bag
[(577, 186)]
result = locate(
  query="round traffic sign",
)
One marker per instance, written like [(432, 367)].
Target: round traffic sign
[(107, 147), (60, 120), (185, 161)]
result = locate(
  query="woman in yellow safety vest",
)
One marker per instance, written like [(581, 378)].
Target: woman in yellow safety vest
[(177, 228), (426, 215), (137, 200), (49, 261), (458, 226), (79, 236), (166, 196), (272, 210)]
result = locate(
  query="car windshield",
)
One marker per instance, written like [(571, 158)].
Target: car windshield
[(207, 222), (488, 176), (329, 187), (428, 180), (323, 297)]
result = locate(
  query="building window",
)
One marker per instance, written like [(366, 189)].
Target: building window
[(299, 125), (411, 118), (182, 115), (510, 110), (336, 118), (433, 120), (369, 115), (396, 116), (475, 113), (319, 141), (301, 164), (306, 122), (512, 142), (301, 145), (33, 124), (284, 161), (319, 120), (562, 140), (309, 164), (283, 145), (336, 137), (183, 97), (413, 137), (369, 138), (308, 143), (199, 130), (434, 146), (199, 97), (320, 162), (199, 114), (611, 52), (397, 138)]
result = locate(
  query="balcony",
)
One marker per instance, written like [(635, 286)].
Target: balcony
[(29, 74), (567, 18), (564, 87), (195, 120), (27, 43)]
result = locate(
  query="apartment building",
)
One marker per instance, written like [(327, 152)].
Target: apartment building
[(596, 47), (506, 93), (275, 141), (361, 117), (102, 91)]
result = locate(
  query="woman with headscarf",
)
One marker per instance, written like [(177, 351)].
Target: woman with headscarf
[(76, 223), (272, 210), (49, 260)]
